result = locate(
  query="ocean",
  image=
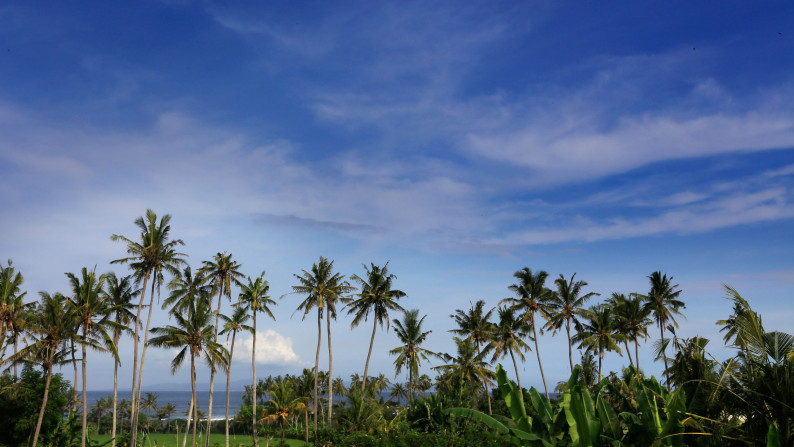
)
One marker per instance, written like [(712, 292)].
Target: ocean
[(181, 400)]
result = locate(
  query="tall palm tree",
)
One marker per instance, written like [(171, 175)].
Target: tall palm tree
[(148, 258), (91, 308), (194, 334), (410, 354), (222, 271), (323, 288), (631, 321), (378, 297), (532, 297), (49, 326), (663, 303), (253, 295), (598, 332), (120, 294), (17, 316), (508, 338), (10, 290), (566, 306), (476, 326), (233, 325)]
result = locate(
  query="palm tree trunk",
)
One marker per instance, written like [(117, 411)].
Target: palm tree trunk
[(369, 354), (193, 392), (143, 352), (228, 378), (316, 367), (115, 387), (570, 345), (599, 366), (628, 351), (487, 391), (212, 366), (135, 383), (253, 388), (515, 365), (664, 356), (330, 370), (282, 434), (46, 394), (16, 344), (189, 418), (306, 417), (74, 384), (133, 407), (85, 404), (537, 351), (637, 354)]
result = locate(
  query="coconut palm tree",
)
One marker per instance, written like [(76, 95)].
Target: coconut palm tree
[(92, 310), (597, 333), (232, 325), (282, 404), (631, 321), (566, 306), (100, 407), (185, 289), (468, 370), (222, 271), (532, 297), (253, 296), (663, 303), (194, 335), (16, 318), (508, 338), (377, 297), (410, 354), (10, 290), (148, 258), (149, 405), (323, 288), (120, 294), (476, 326), (50, 325)]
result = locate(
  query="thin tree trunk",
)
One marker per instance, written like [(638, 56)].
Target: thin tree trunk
[(537, 351), (515, 365), (628, 351), (637, 354), (316, 367), (115, 387), (74, 384), (143, 354), (282, 435), (133, 407), (193, 392), (187, 422), (485, 382), (16, 342), (228, 378), (253, 388), (330, 370), (664, 356), (44, 402), (570, 345), (212, 366), (306, 416), (85, 404), (599, 367), (369, 354)]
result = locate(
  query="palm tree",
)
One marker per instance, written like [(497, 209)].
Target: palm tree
[(662, 301), (101, 406), (532, 297), (149, 404), (49, 326), (476, 326), (233, 325), (566, 307), (467, 369), (148, 258), (194, 334), (322, 288), (631, 321), (185, 289), (92, 310), (10, 290), (378, 297), (410, 354), (120, 294), (222, 271), (508, 338), (254, 296), (17, 316), (597, 332), (282, 404)]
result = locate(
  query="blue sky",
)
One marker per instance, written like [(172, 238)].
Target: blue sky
[(459, 141)]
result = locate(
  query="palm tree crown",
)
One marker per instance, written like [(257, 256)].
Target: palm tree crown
[(566, 307), (508, 338), (410, 354)]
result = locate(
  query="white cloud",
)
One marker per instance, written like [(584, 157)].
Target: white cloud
[(272, 348)]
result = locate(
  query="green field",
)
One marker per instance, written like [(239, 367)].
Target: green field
[(216, 439)]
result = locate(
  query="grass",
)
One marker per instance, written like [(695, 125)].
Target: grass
[(219, 439)]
